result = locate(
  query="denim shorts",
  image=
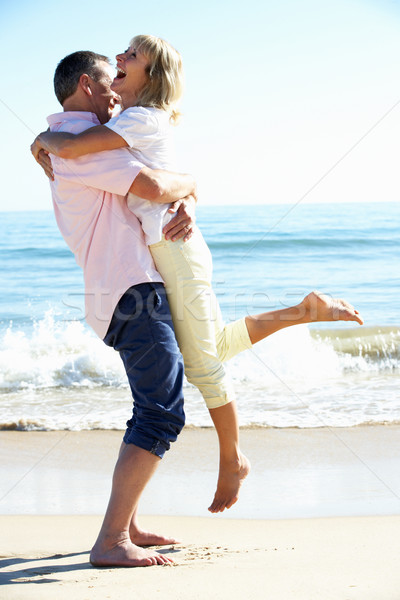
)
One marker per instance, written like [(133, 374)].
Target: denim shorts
[(141, 330)]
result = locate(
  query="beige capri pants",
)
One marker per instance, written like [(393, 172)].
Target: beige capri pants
[(203, 338)]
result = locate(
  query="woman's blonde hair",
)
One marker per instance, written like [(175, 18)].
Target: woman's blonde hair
[(165, 71)]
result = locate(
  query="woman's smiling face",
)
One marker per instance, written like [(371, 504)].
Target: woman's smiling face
[(131, 76)]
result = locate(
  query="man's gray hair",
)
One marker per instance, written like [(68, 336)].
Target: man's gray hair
[(70, 68)]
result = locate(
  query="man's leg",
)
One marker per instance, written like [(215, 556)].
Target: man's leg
[(141, 330), (113, 547), (143, 538), (139, 536)]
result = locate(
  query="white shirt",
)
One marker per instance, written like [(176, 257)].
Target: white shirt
[(148, 133)]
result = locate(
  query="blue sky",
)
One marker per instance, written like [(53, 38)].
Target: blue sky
[(285, 101)]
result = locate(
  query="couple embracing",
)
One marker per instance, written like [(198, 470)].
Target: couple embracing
[(128, 217)]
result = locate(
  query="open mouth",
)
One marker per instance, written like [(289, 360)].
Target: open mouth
[(120, 73)]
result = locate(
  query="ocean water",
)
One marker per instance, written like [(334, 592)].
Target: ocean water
[(56, 374)]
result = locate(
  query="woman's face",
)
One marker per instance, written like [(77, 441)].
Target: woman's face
[(131, 76)]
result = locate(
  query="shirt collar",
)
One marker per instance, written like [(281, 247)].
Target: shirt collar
[(73, 115)]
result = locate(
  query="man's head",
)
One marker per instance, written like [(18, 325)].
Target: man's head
[(82, 82)]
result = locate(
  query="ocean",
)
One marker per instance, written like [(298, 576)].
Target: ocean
[(56, 374)]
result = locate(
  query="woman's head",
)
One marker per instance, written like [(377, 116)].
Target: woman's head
[(153, 72)]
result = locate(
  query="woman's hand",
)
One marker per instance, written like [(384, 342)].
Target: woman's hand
[(37, 146), (60, 143), (181, 226), (41, 155), (44, 161)]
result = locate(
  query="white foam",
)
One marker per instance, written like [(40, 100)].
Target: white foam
[(68, 354), (56, 353), (61, 376), (291, 355)]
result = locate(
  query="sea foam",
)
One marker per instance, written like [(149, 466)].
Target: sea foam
[(67, 354)]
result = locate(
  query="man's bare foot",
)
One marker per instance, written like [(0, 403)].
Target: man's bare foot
[(139, 537), (230, 478), (125, 554), (321, 307)]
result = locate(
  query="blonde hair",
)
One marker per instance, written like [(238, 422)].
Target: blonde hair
[(165, 85)]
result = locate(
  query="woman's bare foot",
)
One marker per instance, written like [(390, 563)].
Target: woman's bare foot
[(230, 478), (139, 537), (321, 307), (125, 554)]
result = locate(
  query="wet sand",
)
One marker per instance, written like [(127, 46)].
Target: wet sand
[(54, 488), (295, 473)]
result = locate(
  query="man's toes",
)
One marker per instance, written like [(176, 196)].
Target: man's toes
[(145, 539)]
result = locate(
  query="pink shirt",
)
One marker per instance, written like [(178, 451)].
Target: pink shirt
[(92, 215)]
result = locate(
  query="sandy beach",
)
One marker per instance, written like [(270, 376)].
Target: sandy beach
[(55, 485), (309, 559)]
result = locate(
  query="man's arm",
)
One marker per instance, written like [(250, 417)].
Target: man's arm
[(157, 186)]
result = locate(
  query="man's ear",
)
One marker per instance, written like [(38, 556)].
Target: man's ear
[(85, 83)]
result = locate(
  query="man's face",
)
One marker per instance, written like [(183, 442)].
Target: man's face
[(104, 100)]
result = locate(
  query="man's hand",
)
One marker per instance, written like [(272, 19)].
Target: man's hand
[(181, 226)]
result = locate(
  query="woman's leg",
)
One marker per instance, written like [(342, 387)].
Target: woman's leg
[(233, 464), (240, 335), (315, 307), (206, 342), (186, 270)]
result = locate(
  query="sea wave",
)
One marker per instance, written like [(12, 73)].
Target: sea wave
[(56, 354), (377, 347), (66, 354), (59, 376), (265, 242), (49, 425)]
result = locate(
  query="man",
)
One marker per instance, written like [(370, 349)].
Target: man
[(124, 295)]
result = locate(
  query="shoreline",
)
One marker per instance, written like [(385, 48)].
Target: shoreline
[(296, 473)]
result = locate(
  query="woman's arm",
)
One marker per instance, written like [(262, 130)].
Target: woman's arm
[(163, 187), (69, 145)]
